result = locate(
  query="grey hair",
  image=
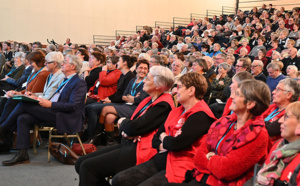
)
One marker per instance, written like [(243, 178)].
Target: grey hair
[(145, 56), (75, 61), (292, 86), (181, 63), (260, 63), (274, 66), (19, 54), (163, 77), (293, 67), (244, 48), (55, 56), (51, 47), (225, 65), (157, 59)]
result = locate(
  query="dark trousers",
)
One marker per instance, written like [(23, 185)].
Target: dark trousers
[(192, 183), (7, 106), (108, 161), (92, 112), (142, 174), (24, 116)]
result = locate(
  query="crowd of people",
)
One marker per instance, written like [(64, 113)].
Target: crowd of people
[(201, 104)]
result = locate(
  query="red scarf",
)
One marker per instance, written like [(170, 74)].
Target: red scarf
[(238, 138)]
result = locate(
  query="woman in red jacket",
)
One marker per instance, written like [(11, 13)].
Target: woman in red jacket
[(284, 156), (235, 143), (137, 133), (177, 140), (106, 85)]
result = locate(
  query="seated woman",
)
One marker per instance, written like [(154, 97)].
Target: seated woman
[(284, 156), (93, 110), (106, 83), (35, 82), (133, 95), (261, 55), (291, 71), (235, 143), (220, 82), (177, 140), (96, 61), (286, 92), (137, 133), (200, 66)]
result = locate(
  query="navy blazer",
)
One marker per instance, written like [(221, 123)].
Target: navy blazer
[(22, 79), (69, 107)]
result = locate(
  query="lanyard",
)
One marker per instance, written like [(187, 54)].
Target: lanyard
[(273, 114), (49, 78), (216, 151), (146, 106), (11, 71), (62, 85), (133, 90), (30, 78)]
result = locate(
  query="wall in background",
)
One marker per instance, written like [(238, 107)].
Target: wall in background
[(37, 20)]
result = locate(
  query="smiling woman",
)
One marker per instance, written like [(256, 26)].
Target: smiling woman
[(284, 156)]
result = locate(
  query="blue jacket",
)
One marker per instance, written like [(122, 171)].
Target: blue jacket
[(69, 107)]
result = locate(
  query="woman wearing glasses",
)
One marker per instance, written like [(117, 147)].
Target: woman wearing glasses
[(235, 143), (284, 156)]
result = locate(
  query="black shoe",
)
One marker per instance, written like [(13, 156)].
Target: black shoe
[(109, 138), (98, 140), (20, 158)]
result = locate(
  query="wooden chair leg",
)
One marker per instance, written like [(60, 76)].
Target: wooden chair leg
[(67, 139), (79, 140), (49, 145), (35, 137)]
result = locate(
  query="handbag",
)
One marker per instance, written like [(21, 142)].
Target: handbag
[(89, 148), (63, 153)]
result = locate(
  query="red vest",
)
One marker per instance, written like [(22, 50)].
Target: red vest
[(179, 162), (108, 84), (289, 169), (144, 150)]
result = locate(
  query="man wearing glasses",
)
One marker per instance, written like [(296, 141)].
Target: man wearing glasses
[(256, 70)]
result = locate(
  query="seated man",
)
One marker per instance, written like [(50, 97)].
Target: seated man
[(275, 75), (65, 109)]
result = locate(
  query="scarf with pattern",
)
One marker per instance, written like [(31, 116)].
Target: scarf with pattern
[(283, 154)]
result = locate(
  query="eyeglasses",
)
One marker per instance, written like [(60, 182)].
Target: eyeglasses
[(49, 62), (238, 66), (280, 89), (253, 66)]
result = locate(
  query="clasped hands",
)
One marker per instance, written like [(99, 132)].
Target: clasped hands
[(134, 138)]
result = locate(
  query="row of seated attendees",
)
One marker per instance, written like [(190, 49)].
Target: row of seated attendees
[(166, 100)]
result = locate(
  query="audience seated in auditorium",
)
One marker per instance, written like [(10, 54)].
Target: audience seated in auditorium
[(137, 133), (177, 140), (218, 159), (64, 111)]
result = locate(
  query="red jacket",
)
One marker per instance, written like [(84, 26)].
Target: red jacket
[(236, 167), (144, 150), (179, 162), (289, 169), (108, 84)]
